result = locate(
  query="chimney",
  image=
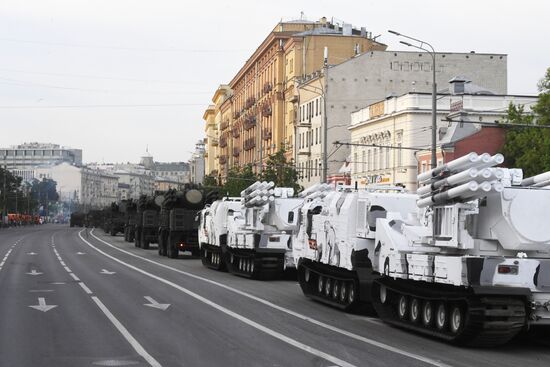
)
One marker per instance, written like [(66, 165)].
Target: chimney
[(323, 20), (363, 32)]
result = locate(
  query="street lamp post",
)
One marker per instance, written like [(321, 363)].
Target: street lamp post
[(431, 51)]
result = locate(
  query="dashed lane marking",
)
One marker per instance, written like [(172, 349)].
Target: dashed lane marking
[(85, 287), (262, 328), (300, 316)]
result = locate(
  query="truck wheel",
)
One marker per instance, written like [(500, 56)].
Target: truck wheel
[(172, 250)]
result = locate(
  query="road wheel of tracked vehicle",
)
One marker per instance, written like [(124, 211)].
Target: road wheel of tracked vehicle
[(336, 289), (351, 293), (320, 284), (427, 313), (402, 307), (456, 319), (441, 316), (343, 292), (415, 310), (328, 287)]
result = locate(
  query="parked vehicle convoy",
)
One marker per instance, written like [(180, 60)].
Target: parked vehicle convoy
[(179, 220), (129, 208), (256, 240), (77, 219), (94, 218), (147, 220), (113, 221), (466, 260)]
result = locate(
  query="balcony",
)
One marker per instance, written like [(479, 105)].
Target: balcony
[(249, 122), (224, 125), (236, 131), (223, 142), (236, 152), (267, 88), (267, 134), (267, 110), (250, 101), (223, 159), (249, 143), (305, 151)]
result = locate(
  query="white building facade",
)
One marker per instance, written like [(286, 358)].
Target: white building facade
[(386, 135)]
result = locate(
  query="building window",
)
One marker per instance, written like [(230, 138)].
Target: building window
[(364, 161), (369, 160), (399, 155), (354, 162), (316, 166), (381, 157), (375, 159), (387, 157)]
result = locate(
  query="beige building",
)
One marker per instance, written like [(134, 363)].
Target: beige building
[(257, 110)]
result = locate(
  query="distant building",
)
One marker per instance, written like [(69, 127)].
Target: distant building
[(368, 78), (22, 159), (391, 138), (90, 188), (196, 163), (172, 171)]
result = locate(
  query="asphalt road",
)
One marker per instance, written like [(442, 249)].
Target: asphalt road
[(116, 305)]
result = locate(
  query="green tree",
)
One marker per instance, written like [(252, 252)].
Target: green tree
[(529, 148), (281, 171), (238, 179)]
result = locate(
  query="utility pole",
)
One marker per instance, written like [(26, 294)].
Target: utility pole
[(430, 50), (325, 120)]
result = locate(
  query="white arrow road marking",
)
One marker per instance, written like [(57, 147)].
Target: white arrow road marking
[(155, 304), (34, 272), (105, 271), (32, 253), (42, 305), (81, 253), (335, 329)]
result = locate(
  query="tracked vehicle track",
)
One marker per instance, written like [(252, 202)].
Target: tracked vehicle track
[(334, 286), (460, 317)]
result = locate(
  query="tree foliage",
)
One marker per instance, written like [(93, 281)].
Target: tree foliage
[(529, 148), (238, 179), (281, 171)]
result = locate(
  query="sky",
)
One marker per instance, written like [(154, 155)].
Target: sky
[(118, 77)]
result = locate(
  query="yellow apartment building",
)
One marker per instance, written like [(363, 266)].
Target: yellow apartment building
[(259, 110)]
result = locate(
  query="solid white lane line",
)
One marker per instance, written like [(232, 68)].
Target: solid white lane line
[(68, 270), (273, 333), (300, 316), (86, 289), (118, 325), (62, 263), (126, 334)]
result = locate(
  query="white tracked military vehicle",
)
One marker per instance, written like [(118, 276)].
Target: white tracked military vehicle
[(213, 230), (466, 260), (255, 240)]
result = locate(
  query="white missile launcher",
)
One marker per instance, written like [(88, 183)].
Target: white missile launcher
[(214, 220), (258, 238), (466, 260)]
